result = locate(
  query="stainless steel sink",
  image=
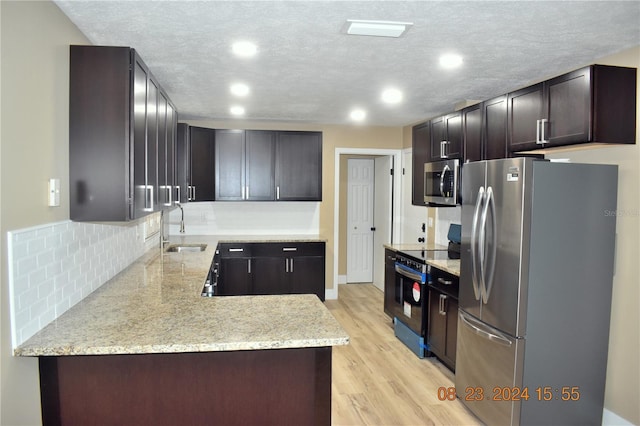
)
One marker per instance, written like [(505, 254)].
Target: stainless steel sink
[(181, 248)]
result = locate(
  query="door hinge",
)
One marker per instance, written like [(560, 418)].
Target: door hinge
[(403, 172), (391, 172)]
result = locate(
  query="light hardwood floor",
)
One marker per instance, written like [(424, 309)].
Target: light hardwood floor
[(376, 380)]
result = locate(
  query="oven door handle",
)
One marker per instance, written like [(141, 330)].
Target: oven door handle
[(409, 273)]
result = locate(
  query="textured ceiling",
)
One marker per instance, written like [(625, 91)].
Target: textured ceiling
[(308, 70)]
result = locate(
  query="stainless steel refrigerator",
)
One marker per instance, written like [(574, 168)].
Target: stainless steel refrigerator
[(537, 265)]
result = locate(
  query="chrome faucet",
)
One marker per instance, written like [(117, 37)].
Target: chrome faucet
[(181, 218)]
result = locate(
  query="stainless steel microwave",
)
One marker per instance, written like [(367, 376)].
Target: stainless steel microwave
[(441, 182)]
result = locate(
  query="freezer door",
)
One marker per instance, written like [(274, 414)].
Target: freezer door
[(504, 253), (489, 367), (473, 187)]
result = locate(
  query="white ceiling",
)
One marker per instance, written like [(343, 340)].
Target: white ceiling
[(308, 70)]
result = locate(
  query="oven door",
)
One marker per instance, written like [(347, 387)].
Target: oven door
[(411, 292), (441, 182)]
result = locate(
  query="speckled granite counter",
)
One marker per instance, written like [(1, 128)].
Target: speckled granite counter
[(451, 266), (415, 246), (154, 306)]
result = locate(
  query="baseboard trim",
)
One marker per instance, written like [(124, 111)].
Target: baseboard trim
[(609, 418)]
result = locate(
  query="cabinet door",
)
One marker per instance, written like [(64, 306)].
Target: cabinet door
[(271, 276), (236, 276), (452, 331), (202, 164), (453, 147), (389, 281), (437, 327), (152, 146), (183, 162), (307, 275), (260, 165), (172, 137), (229, 165), (472, 133), (438, 136), (142, 199), (525, 108), (568, 105), (165, 188), (421, 143), (495, 128), (299, 166)]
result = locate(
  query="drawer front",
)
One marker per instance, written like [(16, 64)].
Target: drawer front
[(291, 249), (227, 250), (443, 281)]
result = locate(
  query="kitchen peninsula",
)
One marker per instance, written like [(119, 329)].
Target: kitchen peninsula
[(147, 348)]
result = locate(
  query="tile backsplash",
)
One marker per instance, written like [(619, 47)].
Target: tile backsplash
[(445, 217), (54, 266)]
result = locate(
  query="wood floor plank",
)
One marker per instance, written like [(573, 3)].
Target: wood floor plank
[(376, 380)]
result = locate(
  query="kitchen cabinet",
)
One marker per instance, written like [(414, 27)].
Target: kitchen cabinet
[(119, 118), (272, 268), (236, 269), (299, 166), (446, 137), (183, 163), (494, 128), (390, 297), (421, 147), (261, 165), (472, 133), (168, 189), (442, 331), (593, 104), (202, 141), (245, 165)]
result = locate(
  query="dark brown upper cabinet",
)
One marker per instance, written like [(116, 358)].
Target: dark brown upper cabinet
[(202, 146), (421, 146), (183, 163), (121, 136), (263, 165), (446, 137), (593, 104), (494, 128), (298, 174), (472, 133)]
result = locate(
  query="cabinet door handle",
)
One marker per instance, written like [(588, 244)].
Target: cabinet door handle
[(291, 267), (543, 138), (286, 264), (247, 191), (236, 250), (278, 192), (170, 194), (445, 282), (249, 265), (177, 194), (194, 192), (290, 249), (148, 190)]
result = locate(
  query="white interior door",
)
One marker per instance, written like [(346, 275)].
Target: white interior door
[(360, 220), (382, 214)]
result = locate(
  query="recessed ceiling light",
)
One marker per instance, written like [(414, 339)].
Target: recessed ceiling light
[(244, 49), (377, 28), (358, 114), (240, 89), (450, 60), (236, 110), (391, 96)]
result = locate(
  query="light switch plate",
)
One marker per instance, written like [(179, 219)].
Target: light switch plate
[(54, 192)]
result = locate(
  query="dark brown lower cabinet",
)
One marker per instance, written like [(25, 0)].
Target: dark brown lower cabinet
[(443, 327), (272, 268), (265, 387)]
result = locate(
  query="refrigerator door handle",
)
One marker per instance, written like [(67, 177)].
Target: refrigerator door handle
[(490, 262), (478, 329), (474, 244), (482, 234)]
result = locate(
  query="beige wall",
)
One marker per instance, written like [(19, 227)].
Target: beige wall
[(34, 148)]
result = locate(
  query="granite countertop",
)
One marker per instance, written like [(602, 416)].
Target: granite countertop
[(436, 255), (415, 246), (154, 306), (451, 266)]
